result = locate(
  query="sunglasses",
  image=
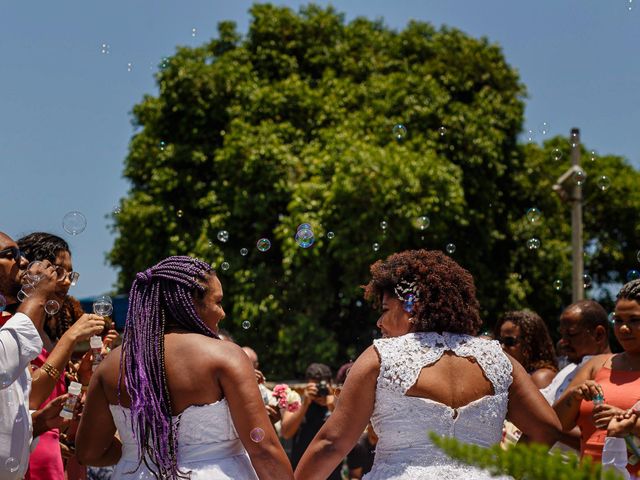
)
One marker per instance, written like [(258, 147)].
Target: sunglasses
[(11, 252), (509, 341)]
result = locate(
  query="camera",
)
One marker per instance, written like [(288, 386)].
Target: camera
[(323, 389)]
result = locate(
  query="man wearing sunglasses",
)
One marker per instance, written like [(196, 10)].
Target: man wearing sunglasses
[(19, 344)]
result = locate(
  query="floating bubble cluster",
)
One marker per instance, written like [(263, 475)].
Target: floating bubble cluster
[(399, 132), (74, 223), (263, 244)]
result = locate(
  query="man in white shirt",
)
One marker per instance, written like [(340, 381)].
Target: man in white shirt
[(584, 331), (19, 344)]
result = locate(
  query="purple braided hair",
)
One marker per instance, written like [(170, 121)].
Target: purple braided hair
[(164, 290)]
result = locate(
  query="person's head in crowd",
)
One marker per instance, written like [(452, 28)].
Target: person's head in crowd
[(626, 317), (423, 291), (39, 246), (341, 377), (13, 265), (321, 375), (177, 293), (524, 336), (584, 330), (253, 356)]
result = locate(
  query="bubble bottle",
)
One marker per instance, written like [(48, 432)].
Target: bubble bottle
[(70, 405), (95, 343)]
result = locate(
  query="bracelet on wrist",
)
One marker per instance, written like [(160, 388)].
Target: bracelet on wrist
[(50, 370)]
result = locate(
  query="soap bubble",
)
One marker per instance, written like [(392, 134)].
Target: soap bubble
[(74, 223), (442, 131), (304, 226), (544, 128), (3, 303), (422, 222), (162, 145), (117, 210), (28, 289), (246, 324), (383, 225), (593, 156), (603, 182), (331, 235), (103, 306), (376, 247), (129, 67), (105, 49), (21, 296), (579, 176), (179, 213), (244, 252), (574, 139), (399, 132), (533, 243), (34, 272), (257, 435), (223, 236), (534, 215), (557, 285), (12, 464), (633, 275), (531, 136), (450, 248), (304, 237), (556, 154), (263, 244), (586, 281), (194, 32), (225, 266), (51, 307)]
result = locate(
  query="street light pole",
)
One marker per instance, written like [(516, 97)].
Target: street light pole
[(577, 250)]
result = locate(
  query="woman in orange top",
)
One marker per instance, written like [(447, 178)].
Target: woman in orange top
[(608, 384)]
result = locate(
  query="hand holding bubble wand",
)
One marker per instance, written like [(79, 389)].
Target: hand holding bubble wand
[(103, 306), (33, 275)]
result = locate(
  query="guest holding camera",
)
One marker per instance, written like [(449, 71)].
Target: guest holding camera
[(317, 404)]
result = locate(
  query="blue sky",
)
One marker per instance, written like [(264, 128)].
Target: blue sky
[(65, 106)]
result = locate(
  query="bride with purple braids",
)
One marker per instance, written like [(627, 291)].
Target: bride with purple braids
[(185, 404)]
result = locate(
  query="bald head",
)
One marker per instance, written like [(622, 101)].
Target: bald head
[(253, 356)]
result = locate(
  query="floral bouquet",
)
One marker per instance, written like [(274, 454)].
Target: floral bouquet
[(285, 398)]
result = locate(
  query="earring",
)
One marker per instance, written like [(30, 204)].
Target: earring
[(412, 320)]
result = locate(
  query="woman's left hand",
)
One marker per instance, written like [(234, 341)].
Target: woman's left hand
[(602, 415), (621, 426)]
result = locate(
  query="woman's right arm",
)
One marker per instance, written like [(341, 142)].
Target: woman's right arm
[(529, 410), (238, 382)]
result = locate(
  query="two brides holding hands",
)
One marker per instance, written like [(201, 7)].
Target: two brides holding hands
[(174, 424)]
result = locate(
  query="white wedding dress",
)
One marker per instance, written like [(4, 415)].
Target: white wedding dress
[(208, 445), (403, 423)]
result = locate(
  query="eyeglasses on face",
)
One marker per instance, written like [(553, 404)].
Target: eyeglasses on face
[(62, 274), (508, 341), (11, 252)]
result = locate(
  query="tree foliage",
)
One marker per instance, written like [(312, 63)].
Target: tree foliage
[(255, 134)]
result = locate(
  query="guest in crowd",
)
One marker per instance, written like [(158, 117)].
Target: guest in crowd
[(317, 404), (524, 336), (20, 343), (608, 384), (267, 395), (46, 461)]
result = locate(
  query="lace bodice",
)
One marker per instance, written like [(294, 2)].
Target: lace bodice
[(404, 450), (208, 444)]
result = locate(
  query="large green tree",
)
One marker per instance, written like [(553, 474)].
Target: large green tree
[(293, 122)]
